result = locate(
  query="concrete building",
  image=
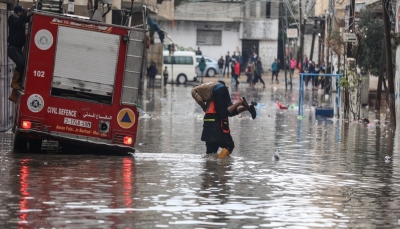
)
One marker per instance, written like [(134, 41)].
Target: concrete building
[(219, 27)]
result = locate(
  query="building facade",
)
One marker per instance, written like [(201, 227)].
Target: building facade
[(221, 27)]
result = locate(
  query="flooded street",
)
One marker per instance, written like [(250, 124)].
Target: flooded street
[(331, 172)]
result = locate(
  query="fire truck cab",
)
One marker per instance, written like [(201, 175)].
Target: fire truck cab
[(81, 83)]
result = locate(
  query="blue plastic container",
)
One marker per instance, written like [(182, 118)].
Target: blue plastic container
[(324, 112)]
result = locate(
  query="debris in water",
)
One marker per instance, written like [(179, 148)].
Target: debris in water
[(388, 159), (276, 156), (142, 144)]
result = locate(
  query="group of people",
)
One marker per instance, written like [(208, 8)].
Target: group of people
[(254, 70), (230, 63), (235, 64), (309, 66), (152, 72)]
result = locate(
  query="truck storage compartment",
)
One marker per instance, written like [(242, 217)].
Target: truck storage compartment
[(85, 64)]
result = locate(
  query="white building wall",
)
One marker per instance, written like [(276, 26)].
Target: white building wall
[(307, 47), (184, 34), (268, 51)]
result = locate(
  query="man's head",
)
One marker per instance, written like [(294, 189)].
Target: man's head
[(228, 53), (239, 53), (19, 10), (198, 48)]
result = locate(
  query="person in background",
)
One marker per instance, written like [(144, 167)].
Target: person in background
[(165, 74), (274, 68), (202, 68), (228, 60), (152, 72), (314, 79), (234, 57), (321, 70), (237, 71), (254, 57), (293, 64), (220, 66), (249, 73), (258, 71), (240, 60), (198, 52), (16, 42)]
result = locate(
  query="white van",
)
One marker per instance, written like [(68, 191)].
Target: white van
[(184, 66)]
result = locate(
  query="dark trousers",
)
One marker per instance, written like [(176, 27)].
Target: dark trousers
[(274, 73), (212, 147), (16, 55), (151, 81), (165, 80), (226, 67), (236, 76)]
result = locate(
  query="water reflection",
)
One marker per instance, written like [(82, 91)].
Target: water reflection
[(331, 173)]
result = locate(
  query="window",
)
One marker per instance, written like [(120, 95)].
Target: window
[(268, 12), (187, 60), (209, 37)]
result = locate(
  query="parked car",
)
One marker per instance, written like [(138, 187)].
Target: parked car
[(211, 66)]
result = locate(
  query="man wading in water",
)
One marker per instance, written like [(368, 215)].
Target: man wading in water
[(216, 102)]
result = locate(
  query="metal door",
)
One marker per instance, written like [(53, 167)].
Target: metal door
[(248, 46)]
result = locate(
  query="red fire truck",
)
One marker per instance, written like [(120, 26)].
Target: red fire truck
[(81, 83)]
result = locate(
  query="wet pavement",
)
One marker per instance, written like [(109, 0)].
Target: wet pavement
[(331, 172)]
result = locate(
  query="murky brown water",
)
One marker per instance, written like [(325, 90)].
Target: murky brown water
[(331, 173)]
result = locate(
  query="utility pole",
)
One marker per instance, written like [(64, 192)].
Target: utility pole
[(283, 27), (313, 38), (302, 29), (389, 67), (351, 27)]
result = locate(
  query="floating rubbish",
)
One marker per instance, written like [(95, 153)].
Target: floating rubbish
[(276, 156), (163, 99), (142, 144), (280, 106), (388, 159), (301, 117), (141, 111), (145, 116), (294, 106), (371, 125)]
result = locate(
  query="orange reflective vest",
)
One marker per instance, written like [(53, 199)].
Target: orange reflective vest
[(211, 116)]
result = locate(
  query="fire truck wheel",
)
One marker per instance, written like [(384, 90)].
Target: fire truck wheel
[(35, 145), (181, 79), (19, 143)]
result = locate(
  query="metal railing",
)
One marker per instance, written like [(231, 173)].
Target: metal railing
[(301, 90)]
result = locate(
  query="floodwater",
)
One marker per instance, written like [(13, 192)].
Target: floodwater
[(331, 172)]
